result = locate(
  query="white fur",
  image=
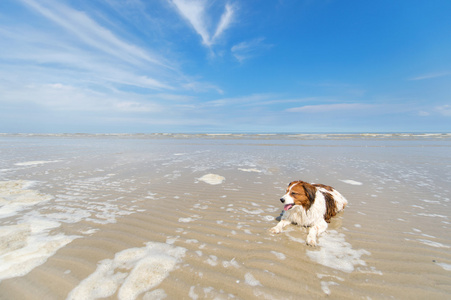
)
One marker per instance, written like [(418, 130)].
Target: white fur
[(313, 217)]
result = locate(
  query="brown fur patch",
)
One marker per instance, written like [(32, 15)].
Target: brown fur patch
[(326, 187), (331, 208)]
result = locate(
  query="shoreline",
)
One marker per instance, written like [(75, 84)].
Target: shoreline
[(354, 135)]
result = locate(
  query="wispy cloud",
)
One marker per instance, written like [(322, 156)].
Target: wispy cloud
[(248, 49), (320, 108), (46, 58), (430, 75), (444, 110), (71, 48), (195, 12), (244, 100), (226, 20), (92, 33), (62, 97), (76, 43)]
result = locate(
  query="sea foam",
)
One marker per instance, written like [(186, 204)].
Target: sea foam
[(212, 179), (34, 163), (131, 273), (334, 252), (27, 244), (16, 195), (352, 182)]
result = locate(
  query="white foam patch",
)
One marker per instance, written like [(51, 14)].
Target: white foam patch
[(446, 267), (336, 253), (212, 260), (15, 196), (431, 201), (36, 162), (433, 244), (155, 295), (269, 218), (252, 212), (200, 206), (352, 182), (250, 280), (131, 273), (325, 286), (231, 263), (279, 255), (90, 231), (432, 215), (27, 245), (212, 179), (417, 206), (250, 170), (192, 294), (189, 219)]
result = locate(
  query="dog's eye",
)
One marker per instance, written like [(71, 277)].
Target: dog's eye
[(293, 193)]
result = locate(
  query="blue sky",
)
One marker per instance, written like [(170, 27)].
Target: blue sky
[(225, 66)]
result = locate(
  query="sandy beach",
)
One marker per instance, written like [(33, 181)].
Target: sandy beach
[(174, 216)]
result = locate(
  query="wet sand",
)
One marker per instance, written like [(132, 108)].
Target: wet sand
[(187, 217)]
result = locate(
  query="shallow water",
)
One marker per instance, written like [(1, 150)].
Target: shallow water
[(186, 217)]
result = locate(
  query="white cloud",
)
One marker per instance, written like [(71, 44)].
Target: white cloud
[(423, 113), (89, 53), (249, 49), (200, 87), (226, 20), (134, 106), (92, 33), (444, 110), (195, 12), (63, 97), (430, 75), (244, 100), (330, 107)]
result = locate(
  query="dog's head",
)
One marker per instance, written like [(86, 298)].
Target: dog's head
[(299, 193)]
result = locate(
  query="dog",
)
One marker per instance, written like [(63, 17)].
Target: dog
[(309, 205)]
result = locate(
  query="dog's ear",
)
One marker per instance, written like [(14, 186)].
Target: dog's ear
[(310, 191), (293, 182)]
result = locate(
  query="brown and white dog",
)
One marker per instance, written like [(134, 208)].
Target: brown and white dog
[(310, 205)]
